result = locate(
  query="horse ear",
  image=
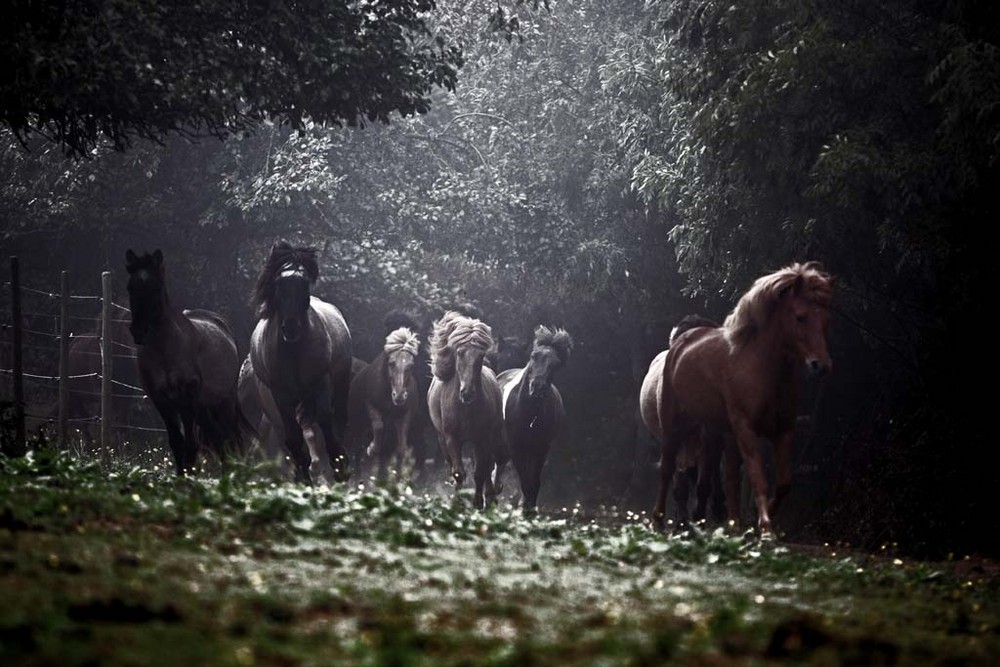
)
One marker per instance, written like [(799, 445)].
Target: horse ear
[(130, 258), (158, 257)]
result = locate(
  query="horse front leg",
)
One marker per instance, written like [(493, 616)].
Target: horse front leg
[(335, 429), (404, 449), (783, 451), (485, 491), (452, 447), (377, 444), (747, 440), (175, 436), (295, 442), (734, 483), (191, 445)]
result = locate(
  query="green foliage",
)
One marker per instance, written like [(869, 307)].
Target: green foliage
[(118, 566), (78, 73)]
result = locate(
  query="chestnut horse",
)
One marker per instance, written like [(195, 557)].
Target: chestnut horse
[(533, 409), (699, 459), (300, 365), (388, 388), (739, 379), (188, 365), (464, 402)]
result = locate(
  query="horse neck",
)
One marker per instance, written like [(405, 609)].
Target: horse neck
[(531, 406), (771, 360)]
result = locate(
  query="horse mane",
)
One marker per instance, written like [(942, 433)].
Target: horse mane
[(558, 339), (452, 331), (282, 253), (403, 339), (755, 307)]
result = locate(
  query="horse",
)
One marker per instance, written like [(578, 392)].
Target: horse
[(464, 403), (300, 360), (533, 409), (188, 365), (739, 380), (700, 460), (388, 389)]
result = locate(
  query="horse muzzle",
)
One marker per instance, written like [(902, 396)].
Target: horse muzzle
[(399, 398), (817, 368), (536, 389), (467, 396), (291, 331)]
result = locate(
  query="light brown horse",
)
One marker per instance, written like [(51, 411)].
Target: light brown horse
[(739, 379), (464, 402)]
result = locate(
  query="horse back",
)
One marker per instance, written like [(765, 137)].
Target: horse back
[(216, 355), (696, 370)]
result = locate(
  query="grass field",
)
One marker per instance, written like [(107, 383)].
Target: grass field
[(136, 567)]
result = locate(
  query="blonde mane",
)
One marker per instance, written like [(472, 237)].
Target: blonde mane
[(451, 332), (402, 339), (751, 314)]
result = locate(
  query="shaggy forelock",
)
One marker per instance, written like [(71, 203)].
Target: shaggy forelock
[(454, 331), (558, 339), (282, 253), (402, 339)]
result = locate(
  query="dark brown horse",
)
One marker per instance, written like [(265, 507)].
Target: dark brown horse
[(739, 379), (387, 388), (533, 409), (464, 402), (188, 365), (300, 360)]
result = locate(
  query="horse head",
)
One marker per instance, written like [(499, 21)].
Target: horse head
[(146, 292), (550, 352), (792, 306), (283, 288), (458, 347), (401, 348), (806, 317)]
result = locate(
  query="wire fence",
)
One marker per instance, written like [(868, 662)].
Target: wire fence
[(71, 379)]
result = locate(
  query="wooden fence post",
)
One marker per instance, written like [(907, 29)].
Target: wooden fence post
[(107, 350), (19, 446), (63, 431)]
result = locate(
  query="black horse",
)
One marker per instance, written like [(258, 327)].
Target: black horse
[(533, 409), (300, 365), (188, 365)]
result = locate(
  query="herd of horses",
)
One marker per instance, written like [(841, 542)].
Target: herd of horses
[(714, 393)]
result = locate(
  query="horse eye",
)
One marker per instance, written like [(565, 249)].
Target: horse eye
[(800, 318)]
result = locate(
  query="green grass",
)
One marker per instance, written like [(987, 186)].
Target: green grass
[(137, 567)]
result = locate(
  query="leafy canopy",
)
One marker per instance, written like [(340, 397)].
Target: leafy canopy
[(131, 69)]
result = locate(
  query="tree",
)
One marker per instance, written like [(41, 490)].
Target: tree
[(126, 69)]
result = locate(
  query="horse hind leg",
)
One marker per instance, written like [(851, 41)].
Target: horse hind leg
[(682, 492), (708, 473)]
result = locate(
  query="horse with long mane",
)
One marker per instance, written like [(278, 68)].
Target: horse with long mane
[(387, 388), (188, 365), (533, 409), (464, 402), (739, 380), (699, 460), (300, 365)]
